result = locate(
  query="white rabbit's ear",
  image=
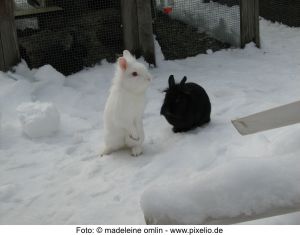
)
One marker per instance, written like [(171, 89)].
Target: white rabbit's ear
[(127, 55), (122, 63)]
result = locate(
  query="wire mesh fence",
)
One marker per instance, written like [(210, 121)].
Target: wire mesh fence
[(67, 34), (71, 35), (189, 27), (283, 11)]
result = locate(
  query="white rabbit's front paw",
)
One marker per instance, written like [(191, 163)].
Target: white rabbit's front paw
[(136, 151), (133, 134), (132, 141)]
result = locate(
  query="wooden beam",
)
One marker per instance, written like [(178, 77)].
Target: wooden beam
[(9, 53), (36, 11), (146, 40), (249, 17)]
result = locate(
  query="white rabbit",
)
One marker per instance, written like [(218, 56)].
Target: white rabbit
[(123, 113)]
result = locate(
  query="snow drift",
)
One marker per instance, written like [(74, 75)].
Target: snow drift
[(237, 191)]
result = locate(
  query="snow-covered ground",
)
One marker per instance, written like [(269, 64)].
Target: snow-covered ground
[(59, 179)]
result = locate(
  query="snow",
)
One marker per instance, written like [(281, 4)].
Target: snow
[(22, 5), (38, 119), (22, 24), (60, 179), (238, 187)]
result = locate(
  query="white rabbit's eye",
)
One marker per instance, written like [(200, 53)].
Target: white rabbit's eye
[(134, 74)]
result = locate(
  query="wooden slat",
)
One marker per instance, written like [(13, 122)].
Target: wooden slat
[(2, 64), (146, 40), (281, 116), (36, 11), (249, 17), (9, 45)]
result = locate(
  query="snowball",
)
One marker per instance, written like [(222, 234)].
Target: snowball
[(38, 119)]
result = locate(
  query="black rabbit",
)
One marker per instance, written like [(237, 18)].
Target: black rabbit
[(186, 105)]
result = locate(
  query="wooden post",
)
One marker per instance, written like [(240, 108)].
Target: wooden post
[(146, 40), (2, 64), (9, 49), (137, 28), (130, 26), (249, 17)]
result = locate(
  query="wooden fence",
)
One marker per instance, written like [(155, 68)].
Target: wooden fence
[(137, 29)]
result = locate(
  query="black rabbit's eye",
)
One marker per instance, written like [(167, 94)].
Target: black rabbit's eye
[(134, 74)]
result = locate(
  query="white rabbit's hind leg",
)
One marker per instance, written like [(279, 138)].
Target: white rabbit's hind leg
[(136, 150), (106, 151), (112, 143)]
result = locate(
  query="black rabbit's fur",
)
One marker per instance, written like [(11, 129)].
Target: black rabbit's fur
[(186, 105)]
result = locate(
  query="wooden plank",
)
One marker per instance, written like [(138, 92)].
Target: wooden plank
[(249, 17), (9, 45), (36, 11), (2, 64), (146, 40), (130, 26), (281, 116)]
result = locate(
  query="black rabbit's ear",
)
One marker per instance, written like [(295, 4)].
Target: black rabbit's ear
[(183, 81), (171, 81)]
